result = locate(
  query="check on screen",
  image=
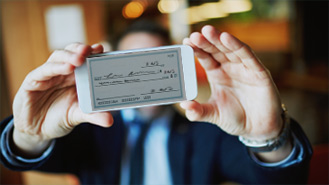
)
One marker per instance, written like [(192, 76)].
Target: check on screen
[(136, 78)]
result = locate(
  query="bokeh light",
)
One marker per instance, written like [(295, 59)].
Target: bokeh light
[(168, 6), (132, 10)]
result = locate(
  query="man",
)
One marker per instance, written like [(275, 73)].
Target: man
[(46, 131)]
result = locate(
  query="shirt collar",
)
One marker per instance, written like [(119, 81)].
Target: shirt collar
[(132, 115)]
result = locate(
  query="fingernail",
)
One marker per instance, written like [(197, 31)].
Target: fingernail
[(95, 45)]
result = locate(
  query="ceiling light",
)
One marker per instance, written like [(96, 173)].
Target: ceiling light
[(132, 10), (235, 6), (168, 6)]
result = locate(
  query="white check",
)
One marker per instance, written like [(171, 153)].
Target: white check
[(132, 79)]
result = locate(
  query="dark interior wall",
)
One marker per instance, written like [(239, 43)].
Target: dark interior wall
[(314, 15)]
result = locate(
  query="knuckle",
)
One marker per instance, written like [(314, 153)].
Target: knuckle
[(73, 46), (79, 48), (54, 55)]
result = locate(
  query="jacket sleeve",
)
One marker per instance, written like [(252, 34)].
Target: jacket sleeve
[(54, 159), (242, 167), (9, 158), (85, 152)]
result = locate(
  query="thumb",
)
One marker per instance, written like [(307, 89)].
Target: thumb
[(195, 111), (103, 119)]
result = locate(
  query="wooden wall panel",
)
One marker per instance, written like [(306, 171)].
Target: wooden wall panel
[(25, 48), (24, 35), (17, 42)]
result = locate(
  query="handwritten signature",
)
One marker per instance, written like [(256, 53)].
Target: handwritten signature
[(111, 76), (153, 64), (161, 90)]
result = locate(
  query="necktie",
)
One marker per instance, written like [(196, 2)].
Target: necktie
[(137, 156)]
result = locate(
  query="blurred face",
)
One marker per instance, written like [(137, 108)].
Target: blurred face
[(142, 40)]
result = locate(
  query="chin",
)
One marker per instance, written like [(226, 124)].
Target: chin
[(150, 112)]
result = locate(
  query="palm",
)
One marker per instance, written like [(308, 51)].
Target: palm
[(234, 96), (46, 104), (48, 108), (241, 87), (58, 114)]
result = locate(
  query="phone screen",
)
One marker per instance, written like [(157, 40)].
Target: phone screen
[(136, 78)]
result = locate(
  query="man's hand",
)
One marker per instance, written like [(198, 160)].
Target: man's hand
[(46, 107), (244, 99)]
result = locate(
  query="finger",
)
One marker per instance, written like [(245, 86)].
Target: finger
[(193, 111), (234, 49), (79, 48), (199, 112), (205, 59), (66, 56), (238, 48), (212, 35), (224, 54), (199, 40), (97, 48), (39, 78), (103, 119)]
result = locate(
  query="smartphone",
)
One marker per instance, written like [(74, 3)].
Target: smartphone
[(136, 78)]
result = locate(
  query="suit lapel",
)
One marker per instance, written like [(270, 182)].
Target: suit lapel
[(119, 135), (179, 147)]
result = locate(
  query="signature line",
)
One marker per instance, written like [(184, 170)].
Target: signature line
[(115, 97)]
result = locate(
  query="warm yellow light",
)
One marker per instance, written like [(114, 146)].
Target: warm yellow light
[(211, 10), (145, 3), (204, 12), (235, 6), (168, 6), (193, 15), (132, 10), (219, 9)]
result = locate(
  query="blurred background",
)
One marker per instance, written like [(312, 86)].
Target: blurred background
[(290, 38)]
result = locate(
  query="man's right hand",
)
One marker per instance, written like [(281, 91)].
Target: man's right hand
[(46, 106)]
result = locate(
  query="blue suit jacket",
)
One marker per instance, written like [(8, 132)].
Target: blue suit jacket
[(199, 153)]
